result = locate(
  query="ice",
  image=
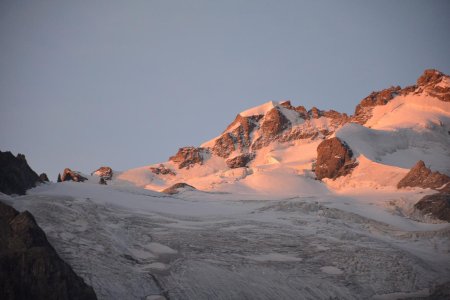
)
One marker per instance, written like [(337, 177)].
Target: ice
[(133, 243), (331, 270)]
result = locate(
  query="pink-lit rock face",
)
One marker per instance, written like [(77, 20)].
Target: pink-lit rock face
[(187, 157), (334, 159), (421, 176), (69, 175), (240, 160), (104, 172)]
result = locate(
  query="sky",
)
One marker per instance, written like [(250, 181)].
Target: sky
[(126, 83)]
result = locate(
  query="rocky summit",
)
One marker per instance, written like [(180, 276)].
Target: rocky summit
[(421, 176), (16, 176)]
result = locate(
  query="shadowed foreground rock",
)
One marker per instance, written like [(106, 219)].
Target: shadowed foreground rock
[(29, 266), (421, 176), (334, 159), (440, 292), (16, 176), (436, 205), (175, 189)]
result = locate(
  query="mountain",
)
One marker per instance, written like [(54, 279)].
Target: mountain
[(272, 148), (30, 268), (285, 203), (16, 176)]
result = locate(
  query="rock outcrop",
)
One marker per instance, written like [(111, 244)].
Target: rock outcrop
[(237, 136), (43, 177), (240, 160), (16, 176), (162, 170), (30, 268), (104, 172), (253, 132), (363, 110), (177, 187), (69, 175), (187, 157), (334, 159), (421, 176), (430, 83), (436, 205)]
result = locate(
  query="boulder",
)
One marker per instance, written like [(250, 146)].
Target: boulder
[(240, 160), (334, 159), (421, 176), (30, 268), (177, 187), (104, 172), (16, 176), (69, 175)]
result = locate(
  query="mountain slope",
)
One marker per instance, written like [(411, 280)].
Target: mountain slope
[(271, 148)]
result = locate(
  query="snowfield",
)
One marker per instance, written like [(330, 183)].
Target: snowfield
[(131, 243)]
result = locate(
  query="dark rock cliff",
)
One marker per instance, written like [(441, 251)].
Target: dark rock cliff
[(29, 266), (16, 176)]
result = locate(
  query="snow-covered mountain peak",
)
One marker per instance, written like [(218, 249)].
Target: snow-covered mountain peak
[(260, 109), (392, 130)]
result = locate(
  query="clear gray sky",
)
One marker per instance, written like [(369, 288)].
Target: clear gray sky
[(126, 83)]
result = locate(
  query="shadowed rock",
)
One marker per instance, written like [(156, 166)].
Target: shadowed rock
[(43, 177), (421, 176), (29, 266), (334, 159), (16, 176), (177, 187), (436, 205), (440, 292)]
